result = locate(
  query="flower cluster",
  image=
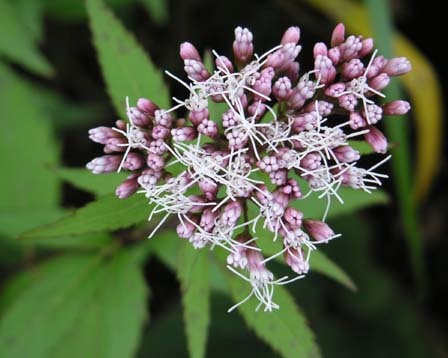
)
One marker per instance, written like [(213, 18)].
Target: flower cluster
[(284, 134)]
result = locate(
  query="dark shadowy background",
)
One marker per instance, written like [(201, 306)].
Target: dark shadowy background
[(384, 318)]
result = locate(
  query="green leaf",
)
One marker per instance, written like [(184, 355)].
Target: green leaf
[(31, 15), (106, 214), (18, 44), (193, 273), (97, 184), (126, 68), (157, 9), (89, 306), (286, 330), (319, 262), (26, 183), (13, 223)]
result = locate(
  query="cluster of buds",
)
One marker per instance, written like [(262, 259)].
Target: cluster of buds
[(283, 136)]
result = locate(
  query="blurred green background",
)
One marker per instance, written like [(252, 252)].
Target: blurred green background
[(73, 290)]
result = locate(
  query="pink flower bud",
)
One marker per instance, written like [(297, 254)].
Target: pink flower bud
[(292, 72), (397, 66), (338, 35), (208, 128), (291, 35), (128, 187), (305, 121), (242, 46), (373, 113), (115, 145), (224, 63), (367, 47), (160, 132), (137, 117), (157, 147), (102, 135), (296, 259), (325, 69), (133, 161), (282, 89), (147, 106), (155, 162), (396, 108), (293, 217), (268, 164), (232, 213), (357, 121), (379, 82), (376, 139), (292, 189), (311, 161), (196, 117), (189, 52), (163, 119), (318, 230), (208, 219), (335, 90), (348, 102), (185, 230), (183, 134), (196, 70), (320, 49), (352, 69), (278, 177), (350, 47), (120, 124), (104, 164), (209, 188), (346, 154), (334, 54), (149, 178)]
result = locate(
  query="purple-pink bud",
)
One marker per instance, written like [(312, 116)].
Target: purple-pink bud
[(163, 119), (208, 218), (320, 49), (209, 188), (396, 108), (160, 132), (242, 46), (232, 213), (155, 162), (268, 164), (186, 229), (224, 63), (157, 146), (102, 135), (115, 145), (183, 134), (334, 54), (311, 161), (128, 187), (291, 35), (196, 70), (397, 66), (379, 82), (301, 93), (376, 67), (292, 189), (335, 90), (357, 121), (137, 117), (196, 117), (352, 69), (292, 72), (305, 121), (318, 230), (278, 177), (208, 128), (367, 47), (104, 164), (189, 52), (348, 102), (338, 35), (146, 106), (373, 113), (296, 260), (149, 178), (133, 161), (350, 47), (346, 154), (293, 217), (376, 139), (282, 88), (324, 67)]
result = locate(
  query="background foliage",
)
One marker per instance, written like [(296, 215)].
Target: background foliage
[(79, 279)]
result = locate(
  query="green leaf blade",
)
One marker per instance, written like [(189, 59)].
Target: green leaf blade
[(126, 68), (106, 214), (193, 273)]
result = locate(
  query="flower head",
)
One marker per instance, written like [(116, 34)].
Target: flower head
[(284, 135)]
